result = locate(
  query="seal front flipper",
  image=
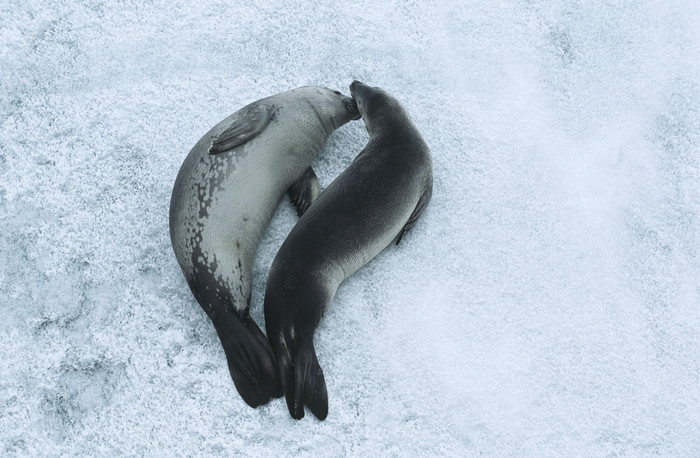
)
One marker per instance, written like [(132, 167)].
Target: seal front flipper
[(305, 191), (247, 123), (417, 212), (302, 377)]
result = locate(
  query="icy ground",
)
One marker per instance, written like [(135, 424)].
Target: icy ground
[(548, 304)]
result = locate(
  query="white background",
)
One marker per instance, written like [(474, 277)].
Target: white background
[(547, 304)]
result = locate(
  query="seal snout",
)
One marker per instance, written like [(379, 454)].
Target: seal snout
[(356, 91), (351, 106), (354, 86)]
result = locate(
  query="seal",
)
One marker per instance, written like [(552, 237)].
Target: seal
[(377, 199), (223, 199)]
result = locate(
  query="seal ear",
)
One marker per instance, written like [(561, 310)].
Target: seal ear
[(246, 124)]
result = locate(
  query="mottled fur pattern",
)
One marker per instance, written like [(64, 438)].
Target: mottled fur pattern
[(224, 197)]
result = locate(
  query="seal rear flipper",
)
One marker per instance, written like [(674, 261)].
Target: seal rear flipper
[(271, 379), (304, 191), (309, 383), (417, 212), (250, 359), (302, 378), (248, 123)]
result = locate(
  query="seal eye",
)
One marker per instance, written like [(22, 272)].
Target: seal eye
[(337, 92)]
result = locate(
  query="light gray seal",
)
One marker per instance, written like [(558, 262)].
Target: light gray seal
[(224, 197), (377, 199)]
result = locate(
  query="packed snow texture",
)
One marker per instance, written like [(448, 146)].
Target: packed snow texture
[(547, 303)]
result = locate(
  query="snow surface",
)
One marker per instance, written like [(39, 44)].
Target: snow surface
[(547, 304)]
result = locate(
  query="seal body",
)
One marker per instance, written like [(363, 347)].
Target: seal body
[(375, 200), (224, 197)]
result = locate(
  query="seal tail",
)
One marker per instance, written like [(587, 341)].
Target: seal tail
[(250, 360), (302, 379)]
